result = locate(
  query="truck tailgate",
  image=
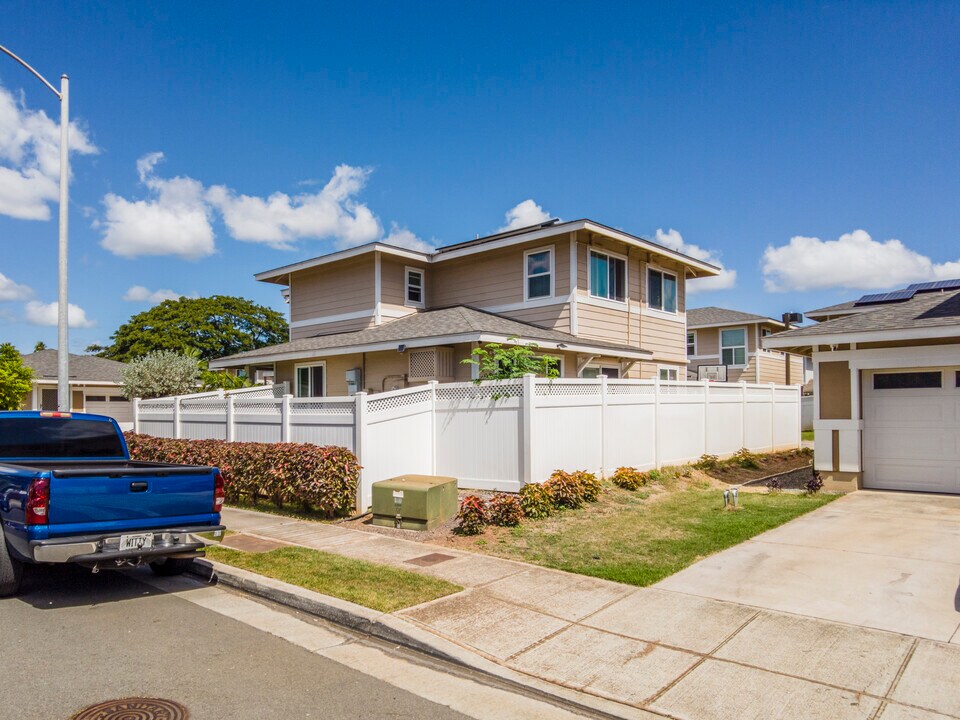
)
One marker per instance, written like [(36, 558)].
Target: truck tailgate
[(87, 498)]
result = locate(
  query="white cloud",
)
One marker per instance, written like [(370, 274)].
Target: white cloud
[(138, 293), (524, 214), (39, 313), (9, 290), (724, 281), (174, 220), (402, 237), (30, 158), (854, 261), (332, 213)]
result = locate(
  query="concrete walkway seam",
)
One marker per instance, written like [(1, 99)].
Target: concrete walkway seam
[(396, 631)]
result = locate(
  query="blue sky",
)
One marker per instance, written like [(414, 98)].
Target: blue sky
[(812, 148)]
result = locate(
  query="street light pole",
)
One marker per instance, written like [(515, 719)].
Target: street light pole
[(63, 307)]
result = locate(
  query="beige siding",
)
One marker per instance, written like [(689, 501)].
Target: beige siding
[(554, 317), (393, 279), (496, 277), (335, 289), (667, 339), (331, 328), (773, 369)]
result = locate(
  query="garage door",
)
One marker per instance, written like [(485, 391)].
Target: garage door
[(115, 406), (911, 429)]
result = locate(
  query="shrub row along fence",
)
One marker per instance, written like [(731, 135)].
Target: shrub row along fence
[(324, 479), (501, 435)]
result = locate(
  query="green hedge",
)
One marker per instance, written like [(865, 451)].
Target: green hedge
[(323, 479)]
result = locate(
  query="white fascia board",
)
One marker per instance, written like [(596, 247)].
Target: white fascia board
[(268, 275), (739, 323), (840, 338), (423, 342), (85, 383), (704, 269)]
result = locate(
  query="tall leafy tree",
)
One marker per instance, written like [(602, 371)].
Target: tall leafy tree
[(212, 327), (14, 378)]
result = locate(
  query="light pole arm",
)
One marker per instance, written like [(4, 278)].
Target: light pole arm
[(37, 75)]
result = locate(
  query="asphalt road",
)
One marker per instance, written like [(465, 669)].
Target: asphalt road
[(73, 639)]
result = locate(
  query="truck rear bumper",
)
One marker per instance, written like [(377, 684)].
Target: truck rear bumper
[(103, 549)]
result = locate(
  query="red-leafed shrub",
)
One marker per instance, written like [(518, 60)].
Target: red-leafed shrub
[(566, 490), (629, 478), (324, 479), (504, 510), (472, 516)]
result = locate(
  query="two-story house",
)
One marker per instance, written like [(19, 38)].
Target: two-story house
[(727, 345), (378, 317)]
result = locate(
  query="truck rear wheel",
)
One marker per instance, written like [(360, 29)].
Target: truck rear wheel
[(11, 571), (171, 566)]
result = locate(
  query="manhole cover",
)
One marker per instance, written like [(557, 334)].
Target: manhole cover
[(431, 559), (134, 709)]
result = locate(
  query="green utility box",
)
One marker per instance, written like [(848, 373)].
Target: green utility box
[(421, 501)]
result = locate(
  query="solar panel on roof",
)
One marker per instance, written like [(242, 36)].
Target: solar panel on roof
[(880, 298), (935, 285)]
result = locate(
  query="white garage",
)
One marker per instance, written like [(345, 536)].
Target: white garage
[(109, 403), (886, 399), (911, 429)]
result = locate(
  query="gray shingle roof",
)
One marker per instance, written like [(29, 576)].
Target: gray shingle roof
[(83, 368), (457, 320), (936, 309), (839, 307), (698, 317)]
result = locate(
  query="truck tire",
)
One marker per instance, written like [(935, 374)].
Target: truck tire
[(11, 571), (171, 566)]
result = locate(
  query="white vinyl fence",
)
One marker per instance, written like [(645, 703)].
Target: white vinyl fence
[(501, 435)]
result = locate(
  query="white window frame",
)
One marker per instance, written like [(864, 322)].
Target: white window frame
[(406, 287), (662, 271), (746, 354), (694, 353), (601, 367), (626, 275), (296, 379), (668, 369), (527, 276)]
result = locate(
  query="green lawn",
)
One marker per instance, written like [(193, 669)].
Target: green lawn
[(807, 435), (636, 539), (379, 587)]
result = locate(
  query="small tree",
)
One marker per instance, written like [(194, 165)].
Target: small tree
[(213, 380), (497, 361), (41, 345), (159, 374), (14, 378)]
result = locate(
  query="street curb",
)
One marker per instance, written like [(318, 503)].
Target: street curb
[(397, 631)]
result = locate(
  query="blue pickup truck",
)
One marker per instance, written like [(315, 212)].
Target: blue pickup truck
[(69, 493)]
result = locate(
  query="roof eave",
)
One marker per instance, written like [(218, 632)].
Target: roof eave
[(735, 323), (788, 339), (478, 336)]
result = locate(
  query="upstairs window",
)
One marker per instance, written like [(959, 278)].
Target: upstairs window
[(733, 347), (662, 290), (608, 276), (538, 277), (691, 343), (414, 287)]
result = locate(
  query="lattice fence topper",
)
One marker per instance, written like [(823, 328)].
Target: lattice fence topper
[(204, 406), (568, 389), (322, 407), (257, 407), (156, 406), (480, 392), (630, 388), (377, 405)]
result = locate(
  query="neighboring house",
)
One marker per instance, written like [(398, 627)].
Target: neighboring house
[(732, 339), (376, 317), (887, 400), (95, 385)]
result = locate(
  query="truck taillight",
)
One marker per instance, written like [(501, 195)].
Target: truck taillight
[(218, 492), (38, 502)]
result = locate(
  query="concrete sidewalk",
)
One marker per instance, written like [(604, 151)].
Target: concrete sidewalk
[(666, 652)]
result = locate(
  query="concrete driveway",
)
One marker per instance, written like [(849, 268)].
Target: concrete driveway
[(882, 560)]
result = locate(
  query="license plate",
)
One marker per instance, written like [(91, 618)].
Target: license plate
[(136, 542)]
